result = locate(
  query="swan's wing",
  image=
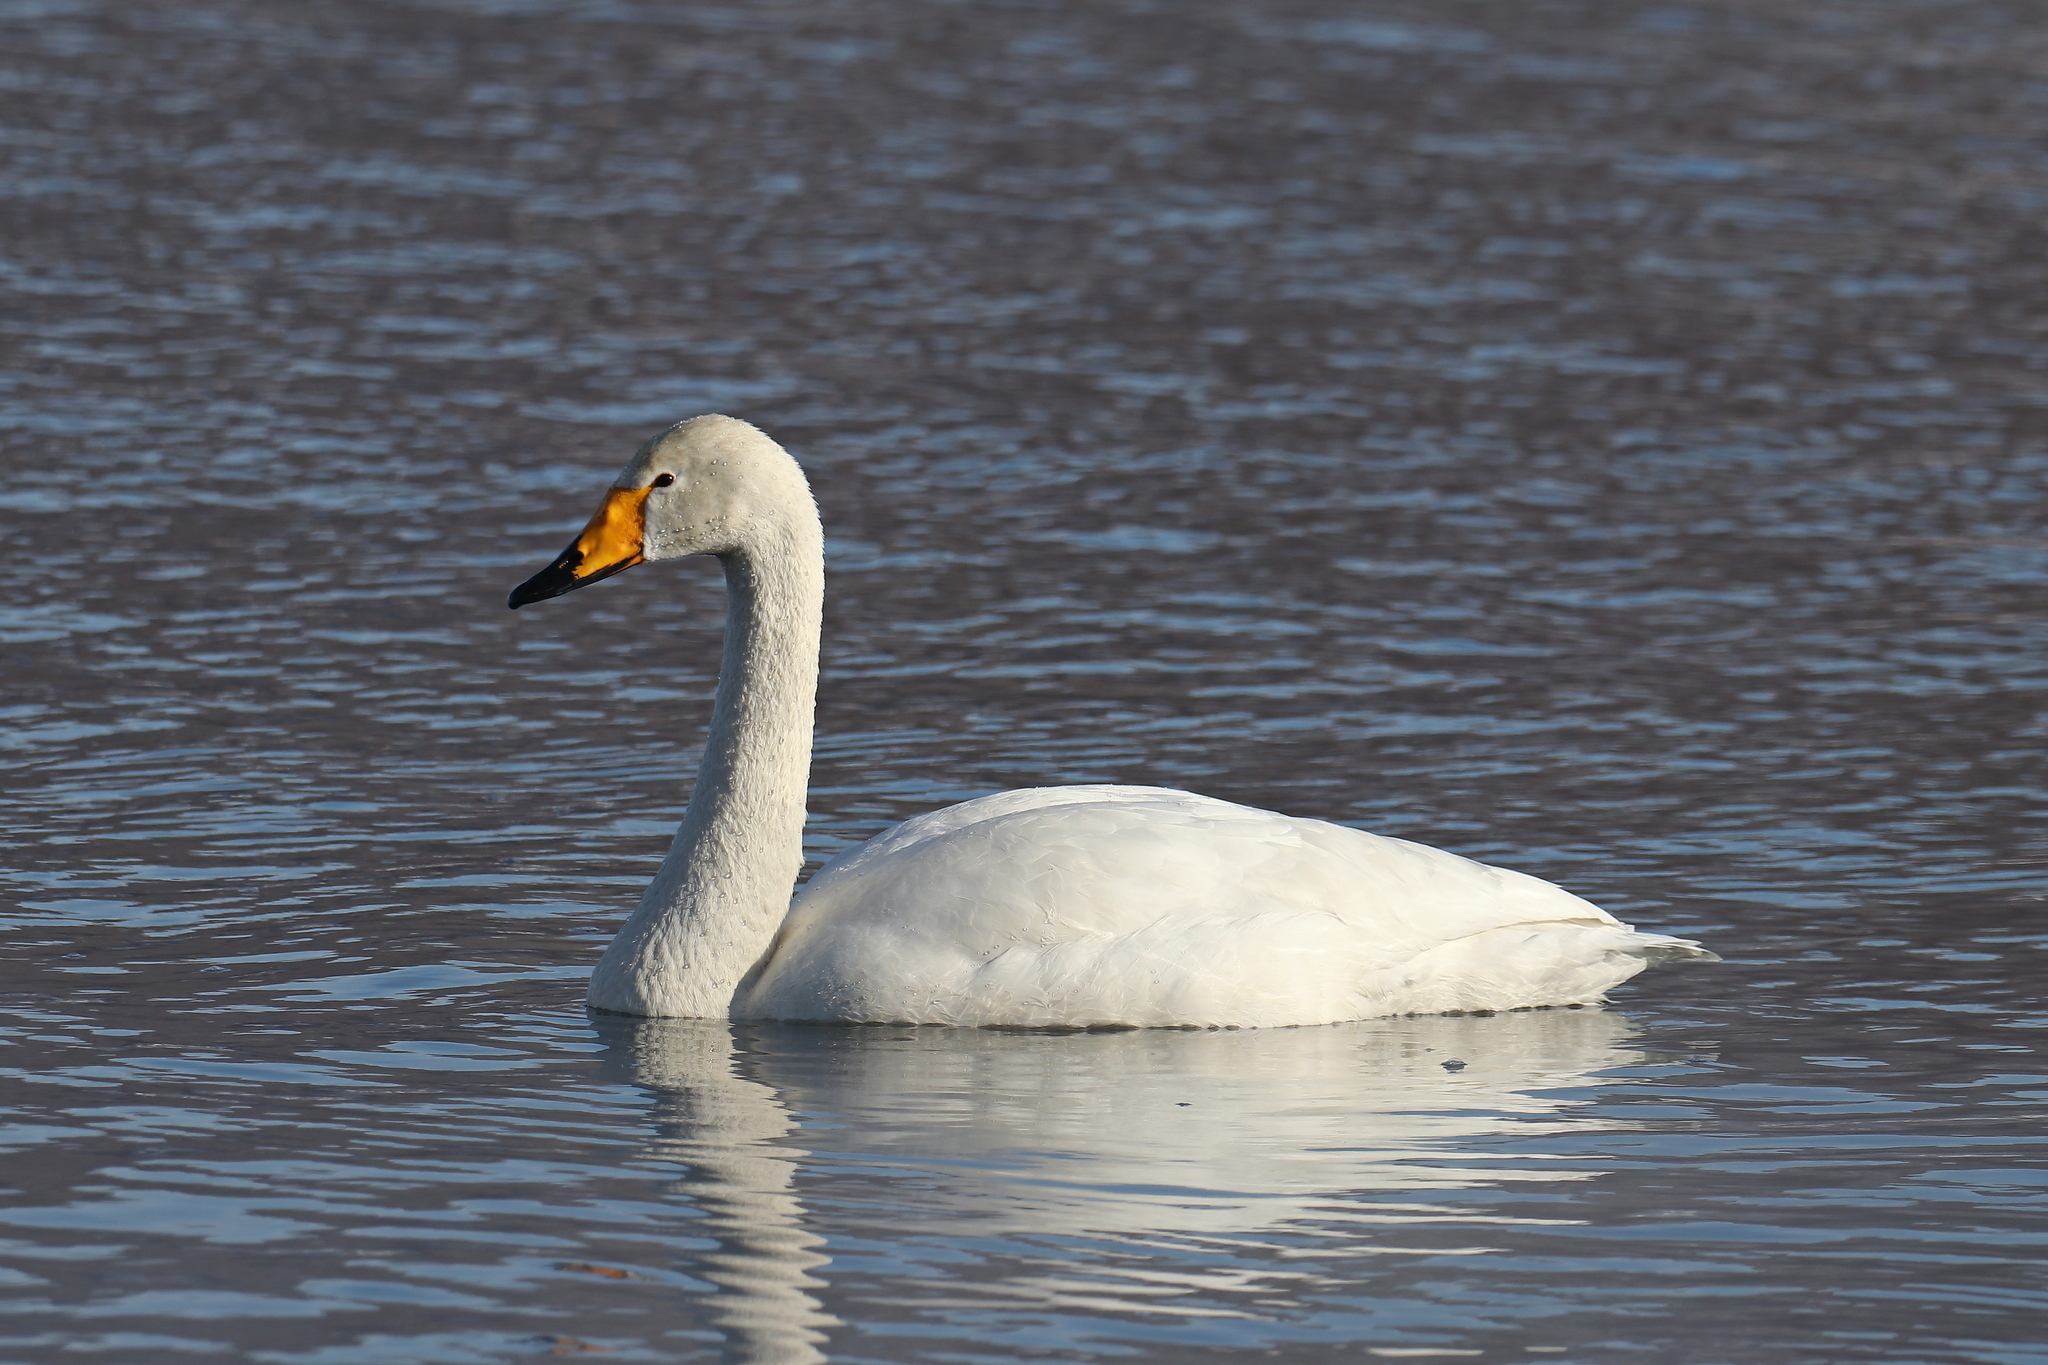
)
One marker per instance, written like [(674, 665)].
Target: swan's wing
[(1140, 905)]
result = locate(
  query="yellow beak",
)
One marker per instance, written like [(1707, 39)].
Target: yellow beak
[(611, 543)]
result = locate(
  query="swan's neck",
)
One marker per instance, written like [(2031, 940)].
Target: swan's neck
[(711, 914)]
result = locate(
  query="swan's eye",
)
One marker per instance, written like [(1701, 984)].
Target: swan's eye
[(664, 480)]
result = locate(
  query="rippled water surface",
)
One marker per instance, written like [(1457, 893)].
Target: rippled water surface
[(1605, 438)]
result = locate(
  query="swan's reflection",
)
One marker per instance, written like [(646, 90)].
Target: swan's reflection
[(1264, 1144), (723, 1128)]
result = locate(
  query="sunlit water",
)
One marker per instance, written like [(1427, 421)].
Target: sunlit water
[(1603, 438)]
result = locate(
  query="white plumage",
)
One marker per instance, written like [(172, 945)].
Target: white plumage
[(1058, 907), (1089, 906)]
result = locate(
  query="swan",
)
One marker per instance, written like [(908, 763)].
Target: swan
[(1053, 907)]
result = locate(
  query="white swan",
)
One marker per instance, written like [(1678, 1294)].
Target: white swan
[(1046, 908)]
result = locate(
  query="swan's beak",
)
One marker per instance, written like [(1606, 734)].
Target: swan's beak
[(609, 544)]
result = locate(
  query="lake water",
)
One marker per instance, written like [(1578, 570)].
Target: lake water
[(1605, 438)]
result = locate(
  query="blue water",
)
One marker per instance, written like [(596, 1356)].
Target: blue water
[(1604, 440)]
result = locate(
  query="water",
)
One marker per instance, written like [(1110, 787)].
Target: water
[(1603, 438)]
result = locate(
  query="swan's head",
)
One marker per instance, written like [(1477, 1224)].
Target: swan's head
[(703, 487)]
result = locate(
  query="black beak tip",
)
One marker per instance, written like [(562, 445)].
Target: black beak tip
[(556, 579)]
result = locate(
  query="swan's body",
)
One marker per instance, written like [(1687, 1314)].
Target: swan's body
[(1077, 906), (1053, 907)]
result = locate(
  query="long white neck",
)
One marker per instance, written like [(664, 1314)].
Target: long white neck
[(711, 914)]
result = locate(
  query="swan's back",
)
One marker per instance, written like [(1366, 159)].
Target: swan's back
[(1090, 906)]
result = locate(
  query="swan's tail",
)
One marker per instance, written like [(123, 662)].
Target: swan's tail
[(1521, 966), (1656, 948)]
